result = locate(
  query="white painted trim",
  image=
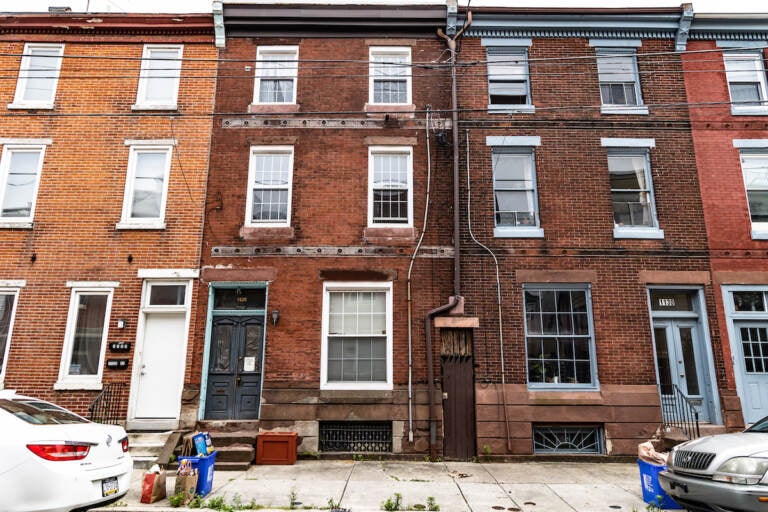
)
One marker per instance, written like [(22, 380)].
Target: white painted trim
[(65, 380), (13, 283), (393, 150), (384, 286), (15, 225), (140, 225), (5, 166), (499, 108), (513, 232), (93, 284), (21, 83), (759, 233), (31, 142), (615, 43), (627, 143), (141, 101), (506, 41), (13, 290), (725, 43), (151, 142), (293, 74), (748, 110), (513, 141), (641, 110), (126, 220), (168, 273), (638, 233), (402, 50), (750, 143), (282, 150)]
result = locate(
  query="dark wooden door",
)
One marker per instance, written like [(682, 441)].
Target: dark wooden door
[(458, 407), (234, 368)]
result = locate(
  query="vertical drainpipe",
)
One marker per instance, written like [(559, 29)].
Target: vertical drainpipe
[(451, 42)]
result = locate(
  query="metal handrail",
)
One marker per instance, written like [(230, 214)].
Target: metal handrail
[(677, 410), (107, 405)]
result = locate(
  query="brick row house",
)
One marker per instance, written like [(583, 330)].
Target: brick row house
[(397, 229), (105, 135)]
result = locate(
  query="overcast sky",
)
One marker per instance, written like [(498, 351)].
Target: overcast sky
[(710, 6)]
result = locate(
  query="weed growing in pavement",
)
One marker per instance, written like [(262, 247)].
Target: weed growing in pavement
[(218, 503), (196, 502), (393, 503), (176, 499), (358, 457), (418, 506), (432, 504), (292, 499)]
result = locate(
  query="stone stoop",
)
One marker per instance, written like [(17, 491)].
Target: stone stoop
[(147, 447), (235, 450), (674, 436)]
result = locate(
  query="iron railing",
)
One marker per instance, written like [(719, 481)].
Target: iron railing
[(677, 410), (105, 408)]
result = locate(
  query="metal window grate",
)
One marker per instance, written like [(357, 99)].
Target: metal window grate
[(355, 436), (568, 439)]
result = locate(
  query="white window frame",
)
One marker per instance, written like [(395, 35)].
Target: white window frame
[(91, 382), (329, 287), (616, 108), (519, 145), (759, 230), (151, 283), (21, 83), (755, 57), (251, 185), (14, 292), (512, 52), (389, 50), (393, 150), (635, 147), (291, 73), (563, 386), (128, 222), (5, 163), (146, 58)]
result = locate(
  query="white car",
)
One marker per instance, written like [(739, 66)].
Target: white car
[(724, 472), (51, 459)]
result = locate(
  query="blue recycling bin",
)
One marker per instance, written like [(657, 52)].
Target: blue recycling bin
[(204, 466), (649, 481)]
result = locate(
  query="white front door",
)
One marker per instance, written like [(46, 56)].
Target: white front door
[(161, 369), (750, 353)]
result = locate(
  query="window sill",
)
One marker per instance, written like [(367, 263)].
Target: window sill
[(30, 106), (510, 232), (557, 388), (749, 111), (62, 385), (140, 225), (277, 108), (355, 386), (651, 233), (389, 235), (397, 110), (154, 107), (15, 225), (759, 234), (272, 233), (613, 109), (511, 109)]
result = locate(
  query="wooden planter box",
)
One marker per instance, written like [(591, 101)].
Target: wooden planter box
[(276, 448)]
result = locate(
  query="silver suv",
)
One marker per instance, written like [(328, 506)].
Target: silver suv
[(721, 473)]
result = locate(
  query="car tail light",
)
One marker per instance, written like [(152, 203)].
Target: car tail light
[(60, 451), (124, 444)]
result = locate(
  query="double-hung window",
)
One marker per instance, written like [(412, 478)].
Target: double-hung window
[(754, 165), (82, 358), (357, 336), (146, 185), (269, 190), (508, 79), (390, 75), (276, 72), (159, 78), (560, 348), (619, 81), (745, 72), (390, 186), (20, 170), (632, 199), (515, 201), (38, 76), (8, 299)]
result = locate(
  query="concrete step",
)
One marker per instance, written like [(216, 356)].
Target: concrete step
[(240, 437), (145, 447), (235, 453)]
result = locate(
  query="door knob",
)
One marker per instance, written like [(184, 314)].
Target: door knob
[(445, 396)]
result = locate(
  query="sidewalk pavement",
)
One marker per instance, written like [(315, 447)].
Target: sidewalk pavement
[(455, 486)]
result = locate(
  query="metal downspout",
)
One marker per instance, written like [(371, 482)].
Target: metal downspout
[(431, 373)]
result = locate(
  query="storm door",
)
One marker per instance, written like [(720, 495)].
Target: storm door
[(234, 370)]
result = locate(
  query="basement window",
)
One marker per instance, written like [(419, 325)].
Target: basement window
[(356, 436), (568, 439)]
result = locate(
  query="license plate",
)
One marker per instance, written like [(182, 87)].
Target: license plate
[(109, 486)]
